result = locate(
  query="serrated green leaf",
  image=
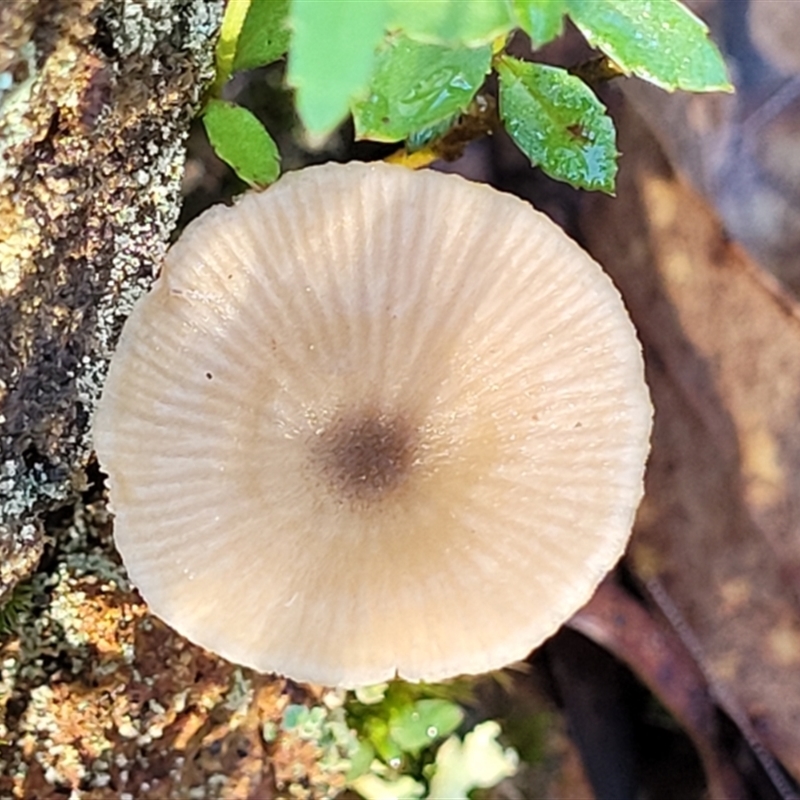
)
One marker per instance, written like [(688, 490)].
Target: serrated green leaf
[(241, 141), (264, 36), (331, 56), (415, 727), (467, 22), (422, 137), (417, 85), (542, 20), (558, 122), (661, 41)]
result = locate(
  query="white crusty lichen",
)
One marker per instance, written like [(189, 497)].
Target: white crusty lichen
[(143, 24)]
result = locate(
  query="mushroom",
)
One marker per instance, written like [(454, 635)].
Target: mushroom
[(374, 423)]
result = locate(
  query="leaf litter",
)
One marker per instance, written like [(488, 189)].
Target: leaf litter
[(717, 532)]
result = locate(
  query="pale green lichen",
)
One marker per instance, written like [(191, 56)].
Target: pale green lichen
[(389, 747), (54, 621), (57, 625), (477, 762), (374, 786), (14, 101), (326, 727)]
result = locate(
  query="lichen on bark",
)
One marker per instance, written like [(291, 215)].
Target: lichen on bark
[(96, 97)]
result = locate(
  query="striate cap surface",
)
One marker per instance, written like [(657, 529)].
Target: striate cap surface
[(372, 422)]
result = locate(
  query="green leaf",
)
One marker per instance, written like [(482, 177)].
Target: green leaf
[(416, 85), (264, 36), (331, 56), (542, 20), (232, 21), (416, 727), (241, 141), (469, 22), (422, 137), (559, 123), (661, 41)]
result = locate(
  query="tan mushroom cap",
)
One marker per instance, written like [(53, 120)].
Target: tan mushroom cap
[(373, 422)]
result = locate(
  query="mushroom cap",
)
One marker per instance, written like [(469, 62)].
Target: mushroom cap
[(372, 422)]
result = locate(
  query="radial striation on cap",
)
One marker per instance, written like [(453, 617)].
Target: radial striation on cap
[(372, 423)]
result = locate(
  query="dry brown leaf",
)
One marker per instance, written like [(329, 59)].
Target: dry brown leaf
[(720, 525), (741, 150), (615, 620)]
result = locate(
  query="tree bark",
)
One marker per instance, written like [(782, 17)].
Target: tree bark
[(96, 97)]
